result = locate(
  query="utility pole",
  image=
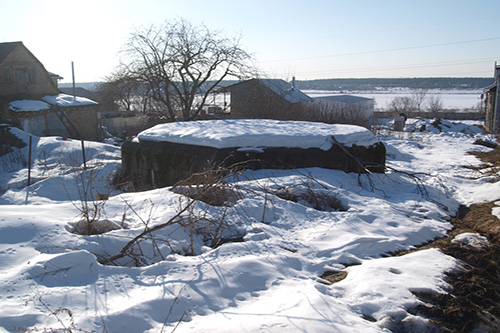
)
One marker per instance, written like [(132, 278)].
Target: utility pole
[(73, 74)]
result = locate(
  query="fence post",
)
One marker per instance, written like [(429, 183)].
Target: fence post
[(29, 161), (83, 153)]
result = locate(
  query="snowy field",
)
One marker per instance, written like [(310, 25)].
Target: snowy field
[(452, 99), (269, 278)]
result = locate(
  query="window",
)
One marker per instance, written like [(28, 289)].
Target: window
[(8, 75), (31, 75)]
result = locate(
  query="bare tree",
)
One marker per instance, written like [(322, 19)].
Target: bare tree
[(178, 62), (121, 91), (419, 96), (402, 104), (434, 104)]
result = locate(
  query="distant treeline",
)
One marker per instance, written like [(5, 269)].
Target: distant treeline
[(413, 83), (365, 84)]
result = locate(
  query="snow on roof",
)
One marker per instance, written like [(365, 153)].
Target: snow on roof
[(279, 87), (28, 105), (344, 98), (232, 133), (286, 90), (68, 100)]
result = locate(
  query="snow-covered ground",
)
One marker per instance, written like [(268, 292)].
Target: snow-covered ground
[(268, 280)]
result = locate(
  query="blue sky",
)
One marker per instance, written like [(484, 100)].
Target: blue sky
[(316, 39)]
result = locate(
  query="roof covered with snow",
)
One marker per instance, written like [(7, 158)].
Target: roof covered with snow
[(286, 90), (231, 133), (68, 100), (281, 88), (344, 99), (63, 100), (28, 105)]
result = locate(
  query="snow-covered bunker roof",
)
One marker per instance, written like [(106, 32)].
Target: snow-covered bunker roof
[(230, 133)]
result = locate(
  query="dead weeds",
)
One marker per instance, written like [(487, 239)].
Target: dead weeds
[(474, 300), (473, 303)]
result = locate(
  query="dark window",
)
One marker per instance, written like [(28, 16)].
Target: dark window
[(8, 75), (31, 75)]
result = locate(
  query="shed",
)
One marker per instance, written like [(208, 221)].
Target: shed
[(266, 98), (361, 107)]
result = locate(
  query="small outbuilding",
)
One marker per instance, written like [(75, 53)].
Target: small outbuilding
[(266, 99), (29, 97), (361, 107)]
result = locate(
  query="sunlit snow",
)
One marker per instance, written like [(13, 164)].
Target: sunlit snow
[(268, 278), (232, 133)]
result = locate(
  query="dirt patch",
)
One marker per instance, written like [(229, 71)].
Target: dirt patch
[(474, 300), (492, 156), (473, 303)]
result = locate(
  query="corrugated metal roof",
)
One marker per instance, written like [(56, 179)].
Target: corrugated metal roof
[(279, 87), (285, 90), (344, 99)]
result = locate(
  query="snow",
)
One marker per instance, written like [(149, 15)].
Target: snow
[(59, 100), (231, 133), (68, 100), (496, 210), (269, 280), (28, 105), (471, 240)]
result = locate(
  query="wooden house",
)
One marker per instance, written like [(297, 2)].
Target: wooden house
[(266, 98), (29, 97), (492, 104)]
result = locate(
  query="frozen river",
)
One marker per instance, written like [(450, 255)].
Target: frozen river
[(452, 99)]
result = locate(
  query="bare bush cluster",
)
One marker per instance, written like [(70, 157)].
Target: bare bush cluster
[(337, 113), (419, 101), (307, 195), (212, 225)]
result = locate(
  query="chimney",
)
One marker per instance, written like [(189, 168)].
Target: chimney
[(293, 81)]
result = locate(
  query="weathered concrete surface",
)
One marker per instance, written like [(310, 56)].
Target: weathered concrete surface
[(151, 164)]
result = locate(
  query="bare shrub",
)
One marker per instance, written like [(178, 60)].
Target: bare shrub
[(90, 202), (402, 104), (209, 187), (435, 104), (336, 113), (308, 194), (13, 161), (213, 226), (419, 96)]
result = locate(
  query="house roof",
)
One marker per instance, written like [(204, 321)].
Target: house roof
[(79, 91), (345, 99), (286, 90), (281, 88), (7, 48), (54, 76)]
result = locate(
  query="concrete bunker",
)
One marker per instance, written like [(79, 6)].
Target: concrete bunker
[(168, 153)]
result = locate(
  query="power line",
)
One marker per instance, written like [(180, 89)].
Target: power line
[(388, 50), (422, 65)]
